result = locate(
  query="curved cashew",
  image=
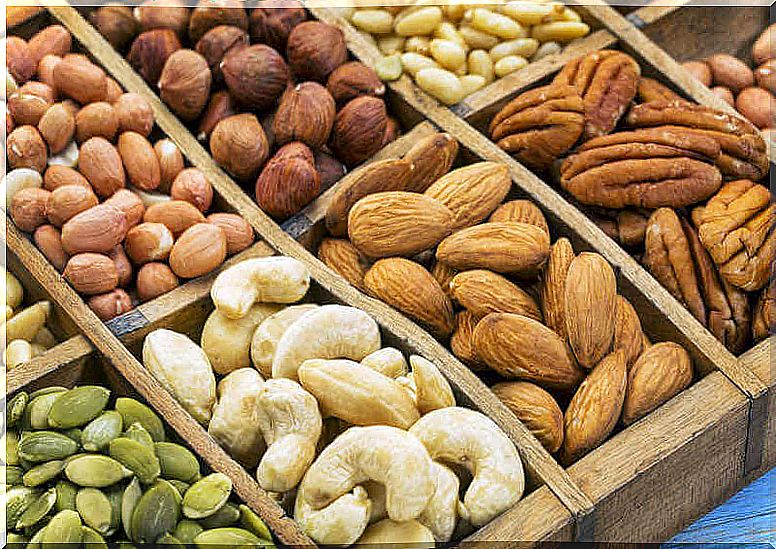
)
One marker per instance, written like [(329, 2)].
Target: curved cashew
[(384, 454), (331, 331), (376, 493), (441, 514), (465, 437), (357, 394), (432, 391), (263, 279), (340, 523), (183, 369), (234, 424), (387, 361), (291, 424), (268, 333), (227, 341), (410, 534)]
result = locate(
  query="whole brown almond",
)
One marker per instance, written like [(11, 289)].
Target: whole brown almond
[(129, 203), (91, 273), (398, 223), (590, 300), (177, 215), (68, 201), (628, 335), (536, 408), (443, 274), (239, 233), (431, 158), (409, 288), (553, 288), (484, 292), (97, 229), (57, 127), (341, 256), (82, 81), (99, 162), (519, 347), (140, 161), (49, 241), (522, 211), (59, 176), (462, 341), (199, 250)]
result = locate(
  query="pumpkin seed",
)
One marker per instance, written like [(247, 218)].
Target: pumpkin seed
[(226, 537), (180, 486), (156, 513), (45, 446), (137, 457), (14, 540), (78, 406), (133, 411), (35, 539), (187, 530), (252, 522), (12, 474), (168, 539), (91, 538), (16, 501), (95, 509), (64, 528), (46, 391), (95, 471), (176, 461), (66, 492), (227, 515), (15, 408), (36, 416), (74, 434), (206, 496), (139, 434), (115, 494), (11, 448), (43, 473), (38, 509), (129, 500), (101, 430)]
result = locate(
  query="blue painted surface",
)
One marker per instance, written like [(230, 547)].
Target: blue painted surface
[(749, 517)]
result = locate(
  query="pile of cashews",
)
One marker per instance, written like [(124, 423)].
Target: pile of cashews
[(362, 446)]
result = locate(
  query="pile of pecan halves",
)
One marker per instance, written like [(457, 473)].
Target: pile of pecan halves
[(672, 181)]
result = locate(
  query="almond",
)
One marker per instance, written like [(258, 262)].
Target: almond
[(96, 120), (148, 242), (57, 126), (192, 186), (462, 341), (140, 161), (97, 229), (553, 288), (484, 292), (59, 176), (123, 266), (28, 208), (155, 279), (661, 372), (520, 347), (341, 256), (80, 80), (49, 241), (383, 175), (536, 408), (472, 192), (99, 162), (68, 201), (443, 274), (431, 158), (177, 215), (91, 273), (410, 288), (595, 408), (129, 203), (239, 233), (590, 299), (199, 250), (110, 305), (522, 211), (398, 223), (628, 335), (508, 248)]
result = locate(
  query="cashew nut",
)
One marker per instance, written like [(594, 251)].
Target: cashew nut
[(26, 323), (376, 492), (441, 514), (182, 368), (410, 534), (264, 280), (227, 341), (432, 391), (291, 424), (357, 394), (465, 437), (269, 332), (331, 331), (14, 292), (340, 523), (388, 361), (234, 424)]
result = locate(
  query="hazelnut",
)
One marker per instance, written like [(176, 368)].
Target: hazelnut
[(163, 14), (129, 203), (238, 145), (96, 120), (150, 51), (239, 233), (212, 13), (59, 176), (28, 208), (215, 44), (192, 186), (134, 114), (140, 161), (176, 215), (315, 49), (110, 305), (199, 250), (170, 162), (51, 40), (49, 241), (765, 75), (725, 94), (27, 108), (57, 127), (267, 123), (359, 129), (18, 59), (80, 80), (116, 24), (46, 69), (185, 83), (112, 90), (123, 266), (25, 148), (353, 80), (68, 201), (306, 113), (148, 242), (256, 76), (99, 162), (219, 107), (272, 23), (329, 169), (288, 182), (91, 273), (155, 279)]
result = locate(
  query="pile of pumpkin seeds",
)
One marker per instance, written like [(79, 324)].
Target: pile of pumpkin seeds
[(78, 472)]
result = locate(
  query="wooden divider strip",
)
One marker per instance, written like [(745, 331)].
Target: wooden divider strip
[(75, 349)]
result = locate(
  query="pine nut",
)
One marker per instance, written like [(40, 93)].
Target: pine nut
[(414, 62), (481, 64), (448, 54), (524, 47), (508, 65), (418, 22), (560, 31), (441, 84), (494, 24), (375, 21)]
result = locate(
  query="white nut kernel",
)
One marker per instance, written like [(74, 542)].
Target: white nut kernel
[(374, 21), (524, 47), (18, 352), (545, 50), (14, 292), (409, 533), (18, 179), (471, 83), (432, 391), (339, 524), (388, 361), (413, 63), (441, 84), (268, 333), (418, 44), (149, 198), (26, 323), (509, 64), (529, 14), (495, 24), (560, 31), (389, 68), (390, 44), (67, 157), (418, 22), (441, 515), (448, 54), (476, 38), (480, 64), (447, 31)]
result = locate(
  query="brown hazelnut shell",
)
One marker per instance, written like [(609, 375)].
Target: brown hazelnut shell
[(256, 76), (306, 113), (212, 13), (185, 83), (315, 49), (272, 23), (116, 24), (359, 130), (150, 52), (288, 182), (353, 80), (238, 145)]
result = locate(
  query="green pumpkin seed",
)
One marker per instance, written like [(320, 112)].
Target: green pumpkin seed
[(64, 528), (12, 474), (169, 539), (95, 509), (139, 434), (95, 471), (16, 501), (74, 434), (156, 513), (187, 530), (15, 408), (251, 521), (227, 515), (129, 500), (91, 538), (36, 415), (35, 539), (47, 391), (78, 406), (11, 448), (226, 537), (177, 462), (133, 411), (115, 494), (101, 430), (66, 492), (137, 457), (206, 496), (43, 473), (45, 446), (15, 540), (181, 486), (38, 509)]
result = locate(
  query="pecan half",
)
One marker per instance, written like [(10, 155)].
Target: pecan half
[(650, 90), (744, 154), (737, 228), (607, 80), (645, 168), (765, 313), (540, 125)]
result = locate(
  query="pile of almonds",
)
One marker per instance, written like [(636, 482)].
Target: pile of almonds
[(273, 93), (748, 91), (106, 206), (447, 251)]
